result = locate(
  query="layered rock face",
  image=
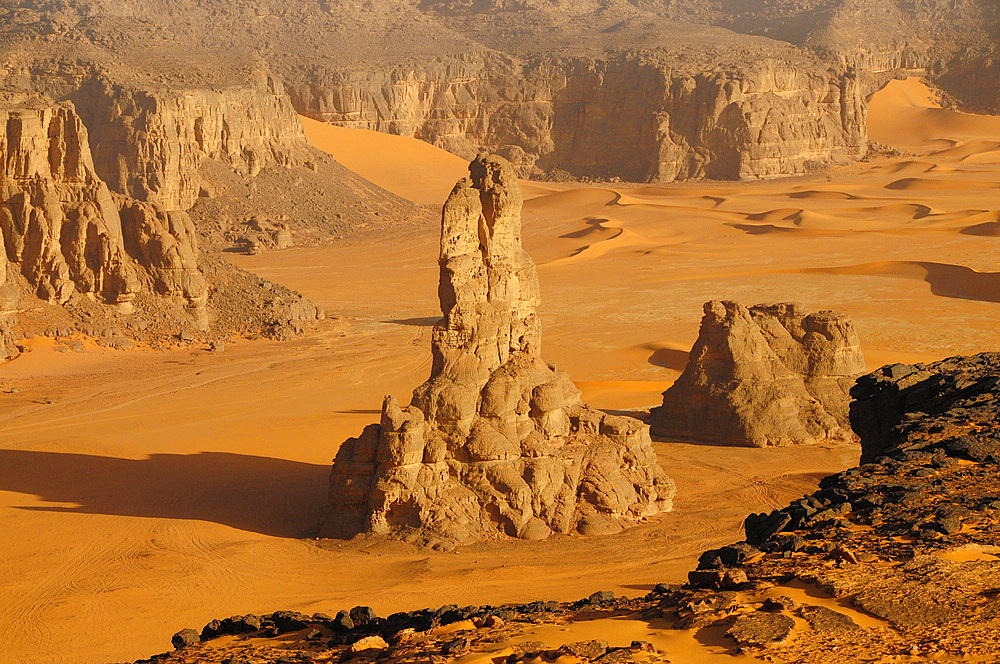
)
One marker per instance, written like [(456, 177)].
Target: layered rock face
[(550, 114), (764, 376), (104, 263), (61, 226), (496, 442), (715, 88), (151, 144)]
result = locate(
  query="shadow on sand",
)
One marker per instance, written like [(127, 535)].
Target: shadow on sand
[(669, 358), (423, 321), (273, 497), (961, 282)]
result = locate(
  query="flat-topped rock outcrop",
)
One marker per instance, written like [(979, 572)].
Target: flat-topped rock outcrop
[(764, 376), (496, 442)]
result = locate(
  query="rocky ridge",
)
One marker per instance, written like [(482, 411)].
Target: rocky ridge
[(496, 442), (552, 114), (764, 376), (895, 558), (715, 89), (156, 161)]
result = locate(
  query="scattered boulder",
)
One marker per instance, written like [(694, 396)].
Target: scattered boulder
[(764, 376), (721, 579), (497, 441), (184, 638), (585, 650), (369, 643), (455, 646)]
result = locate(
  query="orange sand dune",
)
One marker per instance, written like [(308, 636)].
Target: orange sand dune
[(144, 492), (905, 114), (405, 166)]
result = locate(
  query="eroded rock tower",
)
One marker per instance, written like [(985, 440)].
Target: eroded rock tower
[(497, 441)]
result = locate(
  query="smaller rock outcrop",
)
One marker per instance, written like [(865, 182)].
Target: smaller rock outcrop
[(764, 376), (496, 442)]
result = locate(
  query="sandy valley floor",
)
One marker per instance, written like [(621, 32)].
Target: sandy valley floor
[(143, 492)]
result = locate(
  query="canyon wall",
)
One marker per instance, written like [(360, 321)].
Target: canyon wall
[(106, 263), (149, 144), (61, 225), (627, 116)]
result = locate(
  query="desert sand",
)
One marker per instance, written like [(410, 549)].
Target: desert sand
[(146, 491)]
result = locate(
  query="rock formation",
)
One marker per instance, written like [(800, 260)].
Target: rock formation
[(764, 376), (549, 113), (496, 442), (62, 227), (953, 403), (715, 88), (150, 144), (119, 263)]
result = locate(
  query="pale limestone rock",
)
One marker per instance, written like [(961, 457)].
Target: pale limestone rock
[(764, 376), (60, 223), (149, 144), (496, 442)]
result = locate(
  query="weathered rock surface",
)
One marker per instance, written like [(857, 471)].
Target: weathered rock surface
[(496, 442), (67, 240), (714, 88), (902, 408), (563, 114), (764, 376), (150, 144), (62, 227)]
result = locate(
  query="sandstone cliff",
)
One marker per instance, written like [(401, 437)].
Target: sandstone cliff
[(117, 263), (764, 376), (496, 442), (150, 144), (61, 226), (714, 88), (547, 114)]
